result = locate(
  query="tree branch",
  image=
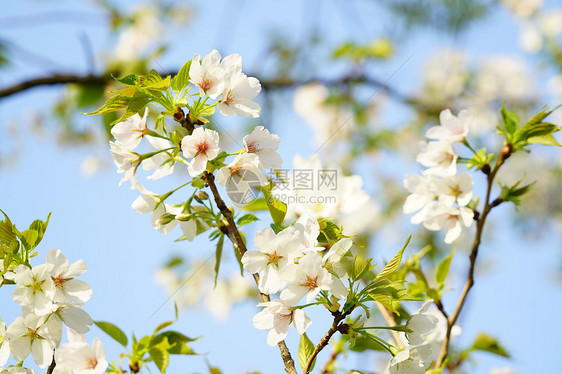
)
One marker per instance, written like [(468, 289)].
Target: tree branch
[(452, 319), (273, 84), (240, 246)]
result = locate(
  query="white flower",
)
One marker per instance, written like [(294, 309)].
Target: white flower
[(126, 161), (207, 75), (276, 317), (68, 289), (237, 95), (73, 317), (441, 214), (264, 144), (128, 133), (308, 277), (336, 264), (16, 370), (203, 145), (274, 254), (310, 229), (32, 335), (422, 324), (411, 360), (439, 157), (452, 129), (162, 163), (452, 188), (240, 176), (4, 344), (422, 191), (79, 357), (34, 288)]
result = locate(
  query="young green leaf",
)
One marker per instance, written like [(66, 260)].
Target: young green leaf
[(160, 356), (246, 219), (305, 351), (486, 343), (113, 104), (181, 79), (443, 269), (393, 264), (218, 256), (113, 331), (277, 209)]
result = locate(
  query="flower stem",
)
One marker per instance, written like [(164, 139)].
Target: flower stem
[(236, 239), (488, 206)]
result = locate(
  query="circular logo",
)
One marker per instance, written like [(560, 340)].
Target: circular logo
[(241, 187)]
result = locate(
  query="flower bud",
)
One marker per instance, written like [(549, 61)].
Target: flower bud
[(203, 195), (165, 219)]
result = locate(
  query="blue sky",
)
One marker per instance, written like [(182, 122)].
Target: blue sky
[(92, 218)]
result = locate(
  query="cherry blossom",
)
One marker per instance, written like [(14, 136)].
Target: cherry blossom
[(439, 157), (4, 344), (240, 176), (264, 145), (202, 145), (126, 161), (68, 289), (452, 129), (308, 277), (276, 317), (237, 95), (33, 335), (274, 254), (207, 75), (78, 357), (34, 288), (128, 133)]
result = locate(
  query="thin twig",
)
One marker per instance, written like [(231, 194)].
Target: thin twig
[(274, 84), (51, 367), (331, 361), (234, 235), (452, 319), (390, 323), (336, 326)]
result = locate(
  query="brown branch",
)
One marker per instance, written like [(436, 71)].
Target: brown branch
[(272, 84), (234, 236), (51, 367), (336, 326), (488, 206), (331, 361)]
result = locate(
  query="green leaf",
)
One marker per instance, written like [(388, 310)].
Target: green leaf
[(332, 232), (135, 105), (514, 193), (177, 342), (7, 234), (161, 358), (360, 267), (256, 205), (162, 326), (218, 256), (510, 120), (443, 269), (28, 239), (479, 159), (306, 348), (113, 104), (277, 209), (394, 264), (382, 295), (40, 227), (246, 219), (483, 342), (113, 331), (547, 139), (128, 80), (181, 80)]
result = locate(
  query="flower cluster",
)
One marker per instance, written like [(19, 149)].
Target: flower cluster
[(440, 195), (50, 295), (426, 331), (290, 262)]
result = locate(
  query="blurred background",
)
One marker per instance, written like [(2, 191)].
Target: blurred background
[(357, 82)]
